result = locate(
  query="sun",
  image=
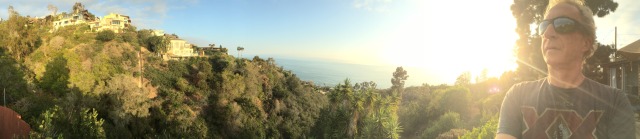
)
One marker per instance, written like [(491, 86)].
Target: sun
[(470, 39)]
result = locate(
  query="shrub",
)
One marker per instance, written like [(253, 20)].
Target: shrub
[(129, 37), (58, 122), (445, 123), (455, 99), (487, 131), (105, 36)]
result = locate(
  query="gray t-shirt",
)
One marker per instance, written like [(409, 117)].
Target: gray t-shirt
[(538, 110)]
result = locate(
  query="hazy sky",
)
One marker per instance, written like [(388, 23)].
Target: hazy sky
[(446, 37)]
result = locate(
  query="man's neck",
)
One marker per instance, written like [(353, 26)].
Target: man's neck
[(565, 76)]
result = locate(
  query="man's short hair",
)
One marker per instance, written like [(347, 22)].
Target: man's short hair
[(586, 21)]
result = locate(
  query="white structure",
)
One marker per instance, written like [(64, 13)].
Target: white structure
[(157, 32), (65, 19), (179, 48)]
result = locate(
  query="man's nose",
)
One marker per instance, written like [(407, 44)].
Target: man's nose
[(549, 33)]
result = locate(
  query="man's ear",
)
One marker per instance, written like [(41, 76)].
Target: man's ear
[(587, 48), (588, 44)]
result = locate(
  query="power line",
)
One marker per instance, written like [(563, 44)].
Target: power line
[(608, 33)]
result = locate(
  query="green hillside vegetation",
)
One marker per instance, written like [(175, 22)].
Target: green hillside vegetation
[(75, 83)]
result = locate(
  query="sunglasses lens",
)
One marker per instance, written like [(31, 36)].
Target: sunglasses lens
[(543, 27), (564, 25)]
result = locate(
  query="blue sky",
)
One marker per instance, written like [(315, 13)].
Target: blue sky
[(443, 37), (295, 28)]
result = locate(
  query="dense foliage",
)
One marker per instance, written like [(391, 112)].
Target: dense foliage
[(74, 83), (105, 36)]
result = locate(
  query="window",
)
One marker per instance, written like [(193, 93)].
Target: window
[(115, 22)]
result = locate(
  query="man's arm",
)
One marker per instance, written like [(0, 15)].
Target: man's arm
[(510, 122), (622, 122)]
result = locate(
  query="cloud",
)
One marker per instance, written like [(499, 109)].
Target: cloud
[(372, 5), (143, 13)]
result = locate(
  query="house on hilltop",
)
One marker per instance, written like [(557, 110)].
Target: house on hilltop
[(157, 32), (178, 48), (115, 22), (207, 51), (78, 16), (65, 19)]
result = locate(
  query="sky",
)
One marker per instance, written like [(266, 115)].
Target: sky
[(442, 37)]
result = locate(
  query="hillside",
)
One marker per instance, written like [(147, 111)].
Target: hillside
[(71, 80), (75, 82)]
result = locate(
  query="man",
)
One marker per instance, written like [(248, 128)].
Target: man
[(565, 104)]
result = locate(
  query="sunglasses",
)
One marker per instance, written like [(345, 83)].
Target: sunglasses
[(561, 25)]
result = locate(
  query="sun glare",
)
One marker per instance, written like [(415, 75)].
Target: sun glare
[(450, 40)]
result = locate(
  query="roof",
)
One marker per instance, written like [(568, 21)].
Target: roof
[(11, 124), (631, 51)]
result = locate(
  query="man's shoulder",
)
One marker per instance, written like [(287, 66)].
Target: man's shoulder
[(602, 87), (529, 84), (603, 91), (524, 88)]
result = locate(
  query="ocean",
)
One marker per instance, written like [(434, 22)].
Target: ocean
[(329, 73)]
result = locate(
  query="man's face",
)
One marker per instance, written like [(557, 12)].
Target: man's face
[(563, 48)]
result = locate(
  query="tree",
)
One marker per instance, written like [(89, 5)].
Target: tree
[(46, 126), (12, 79), (126, 99), (445, 123), (464, 79), (78, 7), (484, 75), (130, 36), (20, 37), (53, 9), (531, 66), (456, 99), (56, 77), (157, 44), (399, 76), (412, 113), (486, 131), (59, 122), (361, 111), (592, 68), (12, 12)]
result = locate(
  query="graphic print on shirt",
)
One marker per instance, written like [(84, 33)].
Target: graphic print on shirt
[(553, 123)]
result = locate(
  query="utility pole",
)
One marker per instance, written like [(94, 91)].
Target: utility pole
[(140, 64), (240, 49), (615, 44)]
